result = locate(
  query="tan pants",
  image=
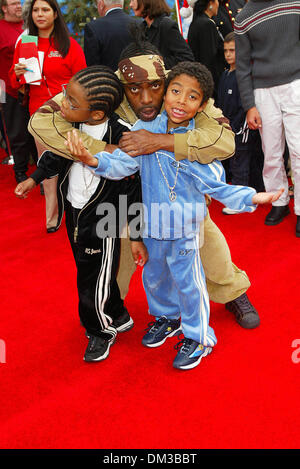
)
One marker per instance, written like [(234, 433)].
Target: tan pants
[(224, 280), (50, 188)]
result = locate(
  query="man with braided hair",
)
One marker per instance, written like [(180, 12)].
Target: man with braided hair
[(211, 139)]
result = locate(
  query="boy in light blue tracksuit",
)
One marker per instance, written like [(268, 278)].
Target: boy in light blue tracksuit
[(174, 206)]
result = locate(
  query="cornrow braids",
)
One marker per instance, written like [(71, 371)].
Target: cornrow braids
[(195, 70), (139, 45), (103, 89)]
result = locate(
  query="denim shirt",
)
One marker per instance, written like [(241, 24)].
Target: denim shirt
[(188, 181)]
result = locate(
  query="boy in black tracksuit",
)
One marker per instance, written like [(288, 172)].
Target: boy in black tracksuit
[(96, 253), (245, 167)]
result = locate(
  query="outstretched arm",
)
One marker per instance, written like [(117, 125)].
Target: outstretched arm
[(115, 166), (267, 197), (210, 179)]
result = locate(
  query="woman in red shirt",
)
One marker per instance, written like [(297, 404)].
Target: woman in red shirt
[(62, 58)]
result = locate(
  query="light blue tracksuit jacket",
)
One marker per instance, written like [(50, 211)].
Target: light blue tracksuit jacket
[(173, 277)]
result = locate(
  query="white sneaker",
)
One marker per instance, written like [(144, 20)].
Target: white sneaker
[(230, 211)]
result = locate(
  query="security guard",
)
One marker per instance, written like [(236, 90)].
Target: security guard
[(225, 18)]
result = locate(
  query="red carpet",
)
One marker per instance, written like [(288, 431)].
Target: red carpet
[(244, 395)]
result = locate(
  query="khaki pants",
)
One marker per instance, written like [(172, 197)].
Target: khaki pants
[(224, 280), (50, 188)]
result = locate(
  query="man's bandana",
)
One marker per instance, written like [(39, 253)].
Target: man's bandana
[(141, 68)]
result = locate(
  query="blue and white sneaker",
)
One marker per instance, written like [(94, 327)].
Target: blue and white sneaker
[(159, 330), (190, 354)]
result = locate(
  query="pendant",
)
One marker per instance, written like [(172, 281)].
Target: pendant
[(172, 196)]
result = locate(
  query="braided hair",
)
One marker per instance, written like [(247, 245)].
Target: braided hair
[(103, 89), (139, 44)]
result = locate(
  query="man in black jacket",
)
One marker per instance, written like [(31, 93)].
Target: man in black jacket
[(106, 37), (228, 9)]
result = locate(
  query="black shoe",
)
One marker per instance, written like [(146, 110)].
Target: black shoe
[(276, 215), (298, 227), (190, 354), (20, 176), (98, 348), (124, 322), (245, 313), (159, 330), (53, 229)]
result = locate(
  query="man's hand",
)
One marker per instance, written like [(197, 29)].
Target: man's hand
[(78, 150), (142, 142), (266, 197), (253, 119), (139, 252), (23, 188)]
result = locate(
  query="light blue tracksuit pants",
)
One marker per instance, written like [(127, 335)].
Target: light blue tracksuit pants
[(174, 283)]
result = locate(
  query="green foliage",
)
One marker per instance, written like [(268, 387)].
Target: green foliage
[(126, 6), (174, 14), (76, 14)]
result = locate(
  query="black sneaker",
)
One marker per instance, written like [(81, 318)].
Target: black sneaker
[(190, 354), (98, 348), (159, 330), (124, 322), (245, 313)]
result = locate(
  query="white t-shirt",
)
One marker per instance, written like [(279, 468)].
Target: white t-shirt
[(82, 181)]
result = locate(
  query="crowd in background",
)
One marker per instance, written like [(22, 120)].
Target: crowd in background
[(228, 37)]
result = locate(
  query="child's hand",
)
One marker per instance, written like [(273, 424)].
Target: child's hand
[(266, 197), (78, 150), (24, 187), (139, 252)]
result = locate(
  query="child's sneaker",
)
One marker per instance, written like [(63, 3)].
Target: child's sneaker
[(124, 322), (159, 330), (189, 354), (98, 348), (230, 211)]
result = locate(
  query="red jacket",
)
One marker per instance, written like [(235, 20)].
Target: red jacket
[(56, 71), (9, 33)]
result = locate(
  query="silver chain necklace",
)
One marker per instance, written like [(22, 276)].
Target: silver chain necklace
[(172, 194), (87, 185)]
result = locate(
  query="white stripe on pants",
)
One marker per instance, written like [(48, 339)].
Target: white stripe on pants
[(279, 109), (174, 283)]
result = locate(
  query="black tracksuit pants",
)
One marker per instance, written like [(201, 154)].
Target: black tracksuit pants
[(99, 295), (21, 141)]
